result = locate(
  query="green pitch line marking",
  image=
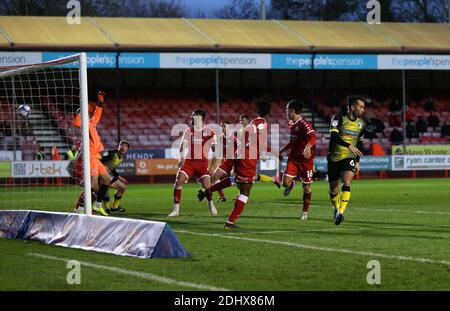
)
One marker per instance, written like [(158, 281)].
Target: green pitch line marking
[(142, 275), (323, 249)]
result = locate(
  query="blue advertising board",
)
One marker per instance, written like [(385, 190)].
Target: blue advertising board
[(291, 61), (145, 154), (139, 60), (240, 60), (345, 61), (108, 59), (368, 163), (93, 59)]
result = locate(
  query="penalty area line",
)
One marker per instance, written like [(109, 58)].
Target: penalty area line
[(323, 249), (142, 275)]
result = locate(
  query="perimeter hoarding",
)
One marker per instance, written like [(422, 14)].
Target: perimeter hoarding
[(142, 60), (368, 163), (36, 169), (421, 149), (426, 162)]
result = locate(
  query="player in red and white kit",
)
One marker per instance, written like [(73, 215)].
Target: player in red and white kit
[(301, 156), (194, 148), (227, 151), (252, 143)]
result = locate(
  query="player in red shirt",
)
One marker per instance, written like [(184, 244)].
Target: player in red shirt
[(194, 148), (228, 161), (252, 143), (301, 156), (226, 150)]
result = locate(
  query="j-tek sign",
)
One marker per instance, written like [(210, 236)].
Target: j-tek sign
[(33, 169)]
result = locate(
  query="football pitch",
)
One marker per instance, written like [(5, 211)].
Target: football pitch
[(403, 224)]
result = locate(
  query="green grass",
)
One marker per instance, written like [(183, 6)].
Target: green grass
[(398, 218)]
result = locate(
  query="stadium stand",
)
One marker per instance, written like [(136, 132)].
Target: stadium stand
[(380, 110), (150, 127), (147, 118), (221, 35)]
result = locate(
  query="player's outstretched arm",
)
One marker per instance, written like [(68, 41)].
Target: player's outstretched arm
[(99, 109)]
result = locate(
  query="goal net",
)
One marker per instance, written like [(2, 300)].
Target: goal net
[(38, 141)]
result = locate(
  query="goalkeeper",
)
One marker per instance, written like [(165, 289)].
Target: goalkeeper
[(111, 160), (100, 179)]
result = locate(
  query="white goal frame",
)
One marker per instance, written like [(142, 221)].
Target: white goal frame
[(82, 68)]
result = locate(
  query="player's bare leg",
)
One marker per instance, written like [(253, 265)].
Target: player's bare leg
[(177, 187), (278, 178), (95, 183), (306, 200), (239, 204), (79, 206), (217, 176), (222, 197), (224, 182), (205, 181), (288, 184), (276, 181), (94, 190)]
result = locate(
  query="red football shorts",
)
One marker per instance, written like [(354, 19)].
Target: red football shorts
[(226, 166), (244, 169), (196, 168), (303, 169)]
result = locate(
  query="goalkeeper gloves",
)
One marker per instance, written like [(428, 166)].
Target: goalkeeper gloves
[(101, 98)]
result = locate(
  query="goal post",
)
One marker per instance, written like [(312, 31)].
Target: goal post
[(85, 132), (38, 104)]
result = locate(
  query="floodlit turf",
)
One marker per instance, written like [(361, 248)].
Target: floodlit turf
[(404, 224)]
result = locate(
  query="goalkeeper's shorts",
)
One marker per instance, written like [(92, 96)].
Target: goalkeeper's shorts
[(97, 168)]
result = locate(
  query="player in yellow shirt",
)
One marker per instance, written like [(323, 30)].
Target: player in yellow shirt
[(111, 159), (346, 141)]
